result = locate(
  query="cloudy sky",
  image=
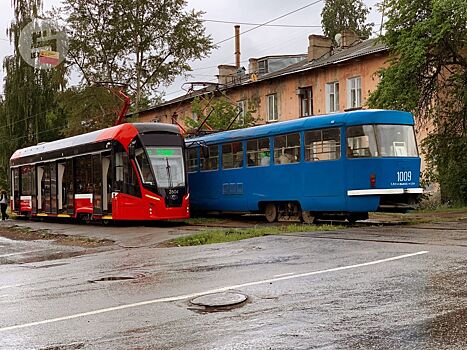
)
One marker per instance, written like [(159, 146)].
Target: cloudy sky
[(263, 41)]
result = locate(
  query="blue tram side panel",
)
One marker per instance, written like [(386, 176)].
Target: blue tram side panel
[(348, 163)]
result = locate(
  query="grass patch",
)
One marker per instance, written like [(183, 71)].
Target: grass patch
[(222, 235), (442, 209), (202, 220)]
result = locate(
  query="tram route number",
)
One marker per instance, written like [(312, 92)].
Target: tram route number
[(404, 176)]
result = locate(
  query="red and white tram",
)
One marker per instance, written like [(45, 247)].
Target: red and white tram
[(126, 172)]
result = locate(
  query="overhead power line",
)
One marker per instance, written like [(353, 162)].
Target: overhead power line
[(270, 21), (263, 25)]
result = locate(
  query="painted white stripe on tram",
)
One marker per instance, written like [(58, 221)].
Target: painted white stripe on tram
[(218, 290), (84, 196), (374, 191)]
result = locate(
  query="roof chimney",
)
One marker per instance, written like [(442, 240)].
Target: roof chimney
[(226, 74), (318, 46), (237, 46), (348, 38), (253, 66)]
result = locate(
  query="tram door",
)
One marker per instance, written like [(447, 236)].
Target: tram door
[(15, 186), (106, 184), (65, 187), (40, 175), (97, 183)]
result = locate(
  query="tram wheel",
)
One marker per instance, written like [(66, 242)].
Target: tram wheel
[(307, 217), (271, 212), (352, 218), (85, 219)]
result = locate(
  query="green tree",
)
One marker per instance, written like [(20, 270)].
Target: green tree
[(427, 75), (222, 113), (141, 43), (88, 108), (29, 112), (339, 15)]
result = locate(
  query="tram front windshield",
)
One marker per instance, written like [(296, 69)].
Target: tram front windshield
[(381, 140), (168, 166)]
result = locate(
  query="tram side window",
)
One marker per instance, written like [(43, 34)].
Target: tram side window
[(322, 145), (287, 149), (361, 142), (192, 156), (84, 182), (27, 181), (125, 176), (210, 158), (232, 155), (257, 152)]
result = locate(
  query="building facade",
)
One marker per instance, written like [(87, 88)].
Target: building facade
[(276, 88)]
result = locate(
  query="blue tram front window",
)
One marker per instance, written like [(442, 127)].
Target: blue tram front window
[(380, 140), (396, 140), (168, 166)]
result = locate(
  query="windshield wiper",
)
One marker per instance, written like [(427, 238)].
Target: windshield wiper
[(169, 173)]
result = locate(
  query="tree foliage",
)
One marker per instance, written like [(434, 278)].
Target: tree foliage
[(141, 43), (88, 108), (29, 113), (338, 15), (427, 74), (221, 113)]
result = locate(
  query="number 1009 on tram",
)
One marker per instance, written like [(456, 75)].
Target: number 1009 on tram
[(344, 164), (126, 172)]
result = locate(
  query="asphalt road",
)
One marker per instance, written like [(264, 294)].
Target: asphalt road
[(391, 287)]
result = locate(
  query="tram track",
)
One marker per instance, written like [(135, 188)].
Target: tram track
[(373, 240)]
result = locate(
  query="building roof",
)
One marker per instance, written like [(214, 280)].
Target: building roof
[(360, 49)]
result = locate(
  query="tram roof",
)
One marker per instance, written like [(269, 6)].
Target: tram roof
[(124, 130), (370, 116)]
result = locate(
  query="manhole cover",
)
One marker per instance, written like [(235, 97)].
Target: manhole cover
[(219, 299)]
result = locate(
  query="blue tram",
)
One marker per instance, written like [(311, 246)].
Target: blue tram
[(345, 164)]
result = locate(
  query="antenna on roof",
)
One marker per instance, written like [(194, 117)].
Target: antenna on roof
[(338, 39)]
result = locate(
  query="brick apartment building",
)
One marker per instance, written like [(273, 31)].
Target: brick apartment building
[(325, 80)]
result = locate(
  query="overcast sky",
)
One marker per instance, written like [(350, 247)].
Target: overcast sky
[(257, 43)]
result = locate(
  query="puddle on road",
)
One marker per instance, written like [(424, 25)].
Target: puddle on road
[(114, 278), (74, 346)]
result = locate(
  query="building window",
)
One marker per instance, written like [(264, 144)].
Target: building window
[(332, 97), (272, 108), (354, 92), (262, 66), (306, 101), (241, 110)]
